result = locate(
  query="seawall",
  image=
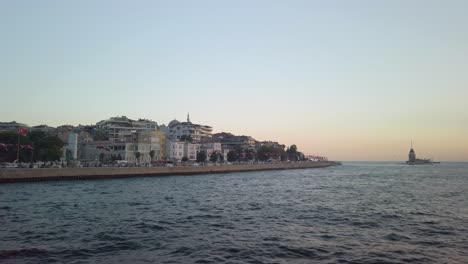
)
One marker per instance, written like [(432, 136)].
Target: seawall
[(29, 175)]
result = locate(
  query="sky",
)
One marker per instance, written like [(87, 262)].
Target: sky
[(350, 80)]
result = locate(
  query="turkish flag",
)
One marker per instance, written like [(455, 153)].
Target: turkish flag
[(23, 131)]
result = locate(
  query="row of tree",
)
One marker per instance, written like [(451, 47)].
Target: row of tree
[(264, 153), (43, 147)]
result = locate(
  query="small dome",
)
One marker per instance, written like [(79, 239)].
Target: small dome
[(173, 123), (411, 151)]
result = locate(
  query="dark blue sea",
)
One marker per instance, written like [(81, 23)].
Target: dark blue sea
[(354, 213)]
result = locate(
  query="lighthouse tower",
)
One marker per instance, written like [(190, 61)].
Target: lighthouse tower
[(412, 155)]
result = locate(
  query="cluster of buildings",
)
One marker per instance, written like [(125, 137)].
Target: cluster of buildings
[(141, 141)]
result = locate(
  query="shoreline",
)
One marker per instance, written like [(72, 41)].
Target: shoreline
[(53, 174)]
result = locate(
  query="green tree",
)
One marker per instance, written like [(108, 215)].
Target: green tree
[(8, 153), (214, 157), (267, 152), (68, 155), (151, 153), (231, 156), (46, 147), (35, 136), (263, 153), (137, 156), (293, 149), (240, 152), (250, 154), (184, 159), (292, 153), (201, 156)]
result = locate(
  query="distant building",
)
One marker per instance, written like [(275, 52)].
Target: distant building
[(110, 150), (12, 126), (176, 150), (72, 145), (183, 130), (123, 129), (151, 141), (233, 142), (191, 150), (210, 147), (48, 130), (64, 131), (106, 151)]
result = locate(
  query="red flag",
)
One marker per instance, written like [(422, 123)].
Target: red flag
[(23, 131), (104, 148)]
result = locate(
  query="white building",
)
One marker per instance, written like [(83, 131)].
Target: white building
[(123, 129), (210, 147), (72, 145), (106, 151), (176, 150), (180, 130), (191, 150)]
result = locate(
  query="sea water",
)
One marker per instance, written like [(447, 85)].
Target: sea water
[(354, 213)]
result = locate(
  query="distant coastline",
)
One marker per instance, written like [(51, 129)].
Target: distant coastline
[(31, 175)]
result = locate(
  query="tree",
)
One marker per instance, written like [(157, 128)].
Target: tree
[(184, 159), (263, 153), (240, 153), (47, 148), (137, 156), (267, 152), (68, 155), (8, 154), (214, 157), (101, 157), (250, 154), (201, 156), (292, 153), (231, 156), (151, 154), (293, 149)]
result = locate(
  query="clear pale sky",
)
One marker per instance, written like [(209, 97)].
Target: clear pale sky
[(353, 80)]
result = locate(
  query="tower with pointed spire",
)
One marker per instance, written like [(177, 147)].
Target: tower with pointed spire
[(188, 118), (412, 155)]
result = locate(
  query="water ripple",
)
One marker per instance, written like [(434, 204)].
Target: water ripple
[(355, 213)]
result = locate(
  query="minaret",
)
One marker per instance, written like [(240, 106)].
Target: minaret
[(412, 155), (188, 117)]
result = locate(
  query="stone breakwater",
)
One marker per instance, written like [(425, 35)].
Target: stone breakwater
[(29, 175)]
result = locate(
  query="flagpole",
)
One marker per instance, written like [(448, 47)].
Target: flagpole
[(17, 153)]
